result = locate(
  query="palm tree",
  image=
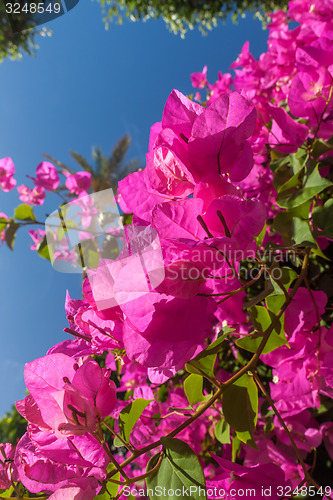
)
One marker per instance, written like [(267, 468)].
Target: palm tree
[(107, 170)]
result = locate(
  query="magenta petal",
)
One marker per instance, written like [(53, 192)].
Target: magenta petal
[(286, 133), (137, 196), (167, 174), (44, 378), (219, 133), (85, 492), (174, 328), (94, 383), (244, 218), (30, 411), (180, 112), (178, 219)]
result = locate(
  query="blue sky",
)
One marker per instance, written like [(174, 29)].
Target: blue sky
[(85, 87)]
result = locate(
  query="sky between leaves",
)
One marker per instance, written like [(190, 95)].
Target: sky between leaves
[(86, 87)]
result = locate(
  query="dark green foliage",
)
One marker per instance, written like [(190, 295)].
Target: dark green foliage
[(107, 170), (12, 427), (14, 45), (180, 15)]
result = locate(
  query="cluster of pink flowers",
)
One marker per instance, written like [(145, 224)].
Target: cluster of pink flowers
[(203, 204)]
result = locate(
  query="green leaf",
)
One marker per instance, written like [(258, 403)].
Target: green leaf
[(320, 147), (128, 418), (222, 431), (262, 319), (127, 219), (112, 487), (287, 277), (282, 223), (261, 236), (251, 343), (205, 360), (302, 235), (323, 218), (291, 183), (313, 185), (236, 447), (298, 160), (91, 259), (162, 393), (274, 302), (10, 233), (193, 388), (278, 159), (240, 407), (67, 225), (44, 250), (3, 223), (7, 493), (24, 212), (180, 469)]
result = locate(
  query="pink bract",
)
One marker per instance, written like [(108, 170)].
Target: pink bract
[(46, 176), (7, 171)]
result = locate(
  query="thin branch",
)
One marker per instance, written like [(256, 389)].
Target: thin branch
[(115, 434)]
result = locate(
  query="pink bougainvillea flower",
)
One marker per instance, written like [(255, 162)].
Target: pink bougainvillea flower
[(327, 431), (87, 207), (67, 404), (86, 490), (232, 222), (235, 218), (303, 428), (33, 196), (162, 332), (235, 478), (286, 134), (135, 195), (7, 171), (327, 368), (46, 176), (178, 219), (180, 113), (220, 87), (154, 132), (305, 98), (245, 57), (199, 79), (211, 187), (8, 470), (167, 174), (3, 226), (78, 182), (29, 410), (301, 314), (47, 464), (36, 236), (141, 258), (219, 138), (267, 452), (100, 334)]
